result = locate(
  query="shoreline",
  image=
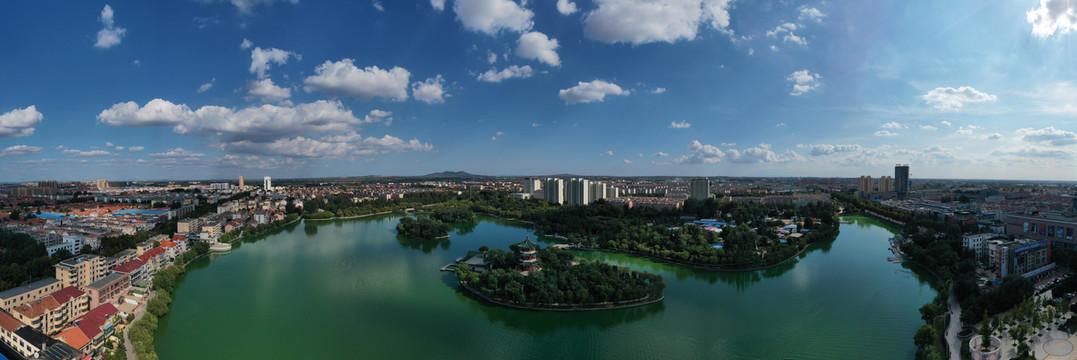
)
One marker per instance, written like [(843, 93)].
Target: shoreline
[(570, 308)]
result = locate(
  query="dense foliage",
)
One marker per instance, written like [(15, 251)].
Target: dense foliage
[(421, 228), (343, 206), (258, 229), (453, 215), (22, 260), (561, 283)]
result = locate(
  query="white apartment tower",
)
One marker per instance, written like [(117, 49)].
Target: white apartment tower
[(578, 191), (554, 191), (531, 185), (267, 183)]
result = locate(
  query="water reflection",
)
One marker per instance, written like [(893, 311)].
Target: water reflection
[(423, 244), (546, 322), (310, 229), (464, 228)]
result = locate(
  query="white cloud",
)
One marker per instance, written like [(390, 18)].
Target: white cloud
[(566, 7), (492, 16), (537, 46), (110, 35), (661, 154), (1055, 98), (246, 44), (378, 116), (626, 161), (493, 75), (20, 150), (803, 81), (658, 90), (109, 144), (966, 130), (19, 122), (177, 153), (585, 92), (950, 99), (344, 78), (378, 6), (1034, 152), (1050, 135), (760, 154), (893, 125), (491, 57), (789, 36), (119, 148), (205, 87), (266, 91), (606, 153), (430, 91), (928, 127), (700, 153), (1053, 16), (780, 125), (641, 22), (438, 4), (137, 62), (499, 133), (827, 149), (534, 124), (810, 13), (995, 136), (349, 144), (256, 122), (247, 6), (135, 148), (947, 123), (680, 125), (90, 153), (885, 133), (262, 59)]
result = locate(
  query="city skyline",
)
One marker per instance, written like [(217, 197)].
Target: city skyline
[(126, 90)]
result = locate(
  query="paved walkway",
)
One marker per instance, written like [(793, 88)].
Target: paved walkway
[(955, 326), (127, 345)]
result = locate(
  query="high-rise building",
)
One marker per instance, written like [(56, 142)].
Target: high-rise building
[(886, 184), (701, 188), (241, 182), (102, 184), (531, 185), (901, 180), (267, 183), (578, 191), (865, 185), (598, 191), (554, 191), (612, 192)]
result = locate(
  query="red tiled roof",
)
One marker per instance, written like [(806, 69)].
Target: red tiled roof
[(67, 293), (8, 322), (150, 254), (129, 266), (168, 244), (179, 237), (37, 308), (73, 336), (89, 328), (93, 321)]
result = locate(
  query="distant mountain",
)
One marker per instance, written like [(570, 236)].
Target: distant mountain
[(451, 175)]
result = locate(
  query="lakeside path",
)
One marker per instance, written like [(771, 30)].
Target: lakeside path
[(127, 345), (955, 325)]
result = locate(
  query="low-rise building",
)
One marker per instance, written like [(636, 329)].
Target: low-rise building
[(36, 290), (1057, 228), (1026, 257), (108, 289), (81, 270)]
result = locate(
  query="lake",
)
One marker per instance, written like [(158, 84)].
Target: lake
[(353, 289)]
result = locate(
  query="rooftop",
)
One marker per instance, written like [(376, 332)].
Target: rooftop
[(13, 292), (107, 280), (73, 262), (8, 322)]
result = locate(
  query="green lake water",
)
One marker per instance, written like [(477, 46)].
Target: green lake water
[(352, 289)]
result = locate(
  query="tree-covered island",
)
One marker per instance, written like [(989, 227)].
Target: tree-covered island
[(560, 281), (422, 228)]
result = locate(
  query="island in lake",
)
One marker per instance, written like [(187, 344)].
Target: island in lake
[(422, 228), (553, 279)]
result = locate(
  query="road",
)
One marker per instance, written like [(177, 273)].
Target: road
[(955, 326)]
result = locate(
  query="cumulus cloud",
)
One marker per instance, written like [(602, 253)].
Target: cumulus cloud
[(537, 46), (378, 116), (493, 75), (566, 7), (995, 136), (885, 133), (431, 91), (263, 59), (699, 153), (267, 91), (1034, 152), (785, 30), (19, 150), (803, 81), (256, 122), (626, 161), (177, 153), (135, 148), (641, 22), (492, 16), (1049, 135), (893, 125), (828, 149), (680, 125), (205, 87), (89, 153), (19, 122), (110, 35), (349, 144), (810, 13), (247, 6), (658, 90), (344, 78), (950, 99), (1053, 16), (661, 154), (438, 4), (606, 153), (760, 154), (947, 123), (378, 6), (928, 127), (585, 92), (246, 44)]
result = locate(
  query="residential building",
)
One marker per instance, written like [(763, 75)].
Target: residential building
[(531, 185), (102, 184), (188, 226), (108, 289), (98, 324), (701, 188), (1057, 228), (267, 183), (886, 184), (81, 270), (51, 313), (901, 180), (36, 290), (865, 185), (578, 191), (978, 243), (241, 184), (554, 191), (1026, 257)]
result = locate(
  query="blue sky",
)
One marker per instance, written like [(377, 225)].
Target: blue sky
[(141, 90)]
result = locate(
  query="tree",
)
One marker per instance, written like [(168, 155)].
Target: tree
[(925, 336), (61, 255), (985, 332), (929, 311)]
